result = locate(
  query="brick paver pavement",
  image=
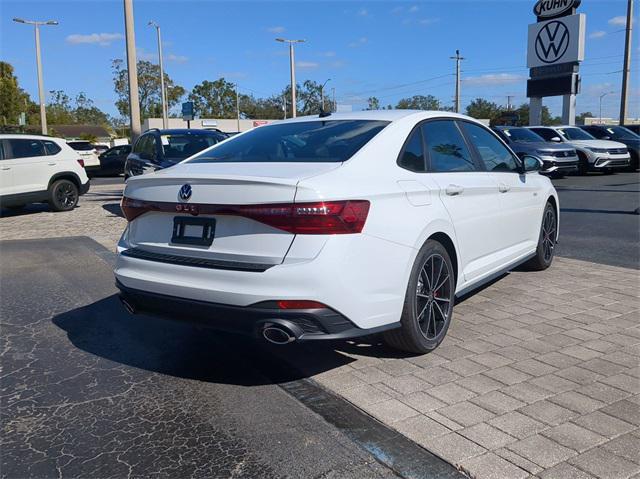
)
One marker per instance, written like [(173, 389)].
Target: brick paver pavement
[(539, 375)]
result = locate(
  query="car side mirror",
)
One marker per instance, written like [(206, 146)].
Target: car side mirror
[(531, 163), (556, 139)]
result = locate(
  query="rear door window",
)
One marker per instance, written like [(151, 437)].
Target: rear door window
[(446, 149), (494, 155), (24, 148), (412, 156)]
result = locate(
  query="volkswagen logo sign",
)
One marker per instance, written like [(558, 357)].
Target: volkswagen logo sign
[(552, 42), (185, 192)]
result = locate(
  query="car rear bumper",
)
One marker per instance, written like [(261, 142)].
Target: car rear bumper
[(84, 188), (310, 324)]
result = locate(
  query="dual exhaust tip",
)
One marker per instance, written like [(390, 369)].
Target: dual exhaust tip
[(276, 331)]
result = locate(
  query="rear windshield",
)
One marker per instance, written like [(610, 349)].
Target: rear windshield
[(180, 147), (329, 141), (80, 145)]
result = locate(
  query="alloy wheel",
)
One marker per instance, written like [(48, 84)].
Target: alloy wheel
[(66, 195), (548, 234), (434, 295)]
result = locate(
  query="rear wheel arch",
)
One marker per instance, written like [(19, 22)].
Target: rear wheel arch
[(67, 175), (448, 244)]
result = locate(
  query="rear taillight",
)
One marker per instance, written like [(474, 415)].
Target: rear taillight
[(80, 162), (299, 304), (320, 218)]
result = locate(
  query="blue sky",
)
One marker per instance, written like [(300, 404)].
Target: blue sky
[(366, 48)]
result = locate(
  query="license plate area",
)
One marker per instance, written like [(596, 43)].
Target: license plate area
[(193, 231)]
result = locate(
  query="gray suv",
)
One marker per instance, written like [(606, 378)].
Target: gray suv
[(557, 159)]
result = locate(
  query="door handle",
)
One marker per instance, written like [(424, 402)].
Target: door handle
[(503, 188), (454, 190), (4, 168), (52, 164)]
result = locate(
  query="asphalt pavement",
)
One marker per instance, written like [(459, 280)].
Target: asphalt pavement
[(91, 391), (598, 218)]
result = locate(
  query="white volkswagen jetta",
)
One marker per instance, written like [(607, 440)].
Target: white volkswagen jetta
[(335, 227)]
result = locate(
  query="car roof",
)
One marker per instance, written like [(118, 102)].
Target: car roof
[(379, 115), (29, 136), (182, 131)]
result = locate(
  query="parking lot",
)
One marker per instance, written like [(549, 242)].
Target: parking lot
[(538, 376)]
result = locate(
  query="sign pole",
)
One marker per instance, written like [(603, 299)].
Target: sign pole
[(569, 109), (535, 111)]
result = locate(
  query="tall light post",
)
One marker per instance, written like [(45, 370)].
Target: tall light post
[(36, 24), (601, 97), (458, 59), (322, 93), (165, 113), (293, 72), (626, 72), (132, 72)]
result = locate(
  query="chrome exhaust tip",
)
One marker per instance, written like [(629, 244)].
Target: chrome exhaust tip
[(278, 335), (127, 305)]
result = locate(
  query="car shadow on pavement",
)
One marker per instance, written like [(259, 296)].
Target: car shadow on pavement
[(114, 209), (30, 209), (178, 349)]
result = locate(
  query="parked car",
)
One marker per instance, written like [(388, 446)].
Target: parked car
[(634, 128), (88, 154), (112, 161), (619, 134), (335, 227), (100, 148), (593, 155), (158, 149), (36, 168), (557, 159)]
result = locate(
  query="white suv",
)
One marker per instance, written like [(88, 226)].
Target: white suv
[(88, 153), (334, 227), (593, 154), (36, 168)]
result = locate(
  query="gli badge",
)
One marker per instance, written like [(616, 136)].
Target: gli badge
[(185, 192)]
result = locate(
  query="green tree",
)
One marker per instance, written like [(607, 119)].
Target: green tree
[(148, 89), (373, 103), (482, 109), (59, 109), (580, 118), (547, 119), (419, 102), (14, 100), (62, 110), (86, 113), (214, 99)]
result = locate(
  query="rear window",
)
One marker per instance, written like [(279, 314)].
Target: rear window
[(80, 145), (180, 147), (329, 141)]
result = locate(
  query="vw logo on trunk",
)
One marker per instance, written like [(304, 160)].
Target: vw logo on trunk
[(552, 42), (185, 192)]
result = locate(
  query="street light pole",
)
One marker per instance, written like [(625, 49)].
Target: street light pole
[(41, 95), (163, 92), (293, 72), (322, 93), (626, 72), (132, 72), (237, 108), (601, 97), (458, 59)]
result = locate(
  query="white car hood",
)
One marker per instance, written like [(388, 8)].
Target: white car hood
[(606, 144)]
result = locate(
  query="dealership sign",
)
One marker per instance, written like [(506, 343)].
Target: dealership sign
[(556, 41), (554, 8)]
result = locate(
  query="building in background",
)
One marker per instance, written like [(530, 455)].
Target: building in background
[(610, 121), (225, 125)]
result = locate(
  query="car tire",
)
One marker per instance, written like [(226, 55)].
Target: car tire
[(583, 164), (547, 240), (63, 195), (428, 304)]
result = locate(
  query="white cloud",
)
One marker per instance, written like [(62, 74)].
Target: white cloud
[(598, 34), (620, 21), (414, 9), (177, 58), (144, 55), (359, 42), (363, 12), (338, 64), (278, 29), (307, 65), (233, 74), (494, 79), (328, 54), (428, 21), (102, 39)]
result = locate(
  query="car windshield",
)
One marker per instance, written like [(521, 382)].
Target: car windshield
[(81, 145), (522, 134), (575, 134), (182, 146), (621, 133), (323, 141)]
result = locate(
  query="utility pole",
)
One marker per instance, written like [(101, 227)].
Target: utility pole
[(237, 108), (41, 95), (333, 94), (601, 97), (163, 92), (458, 59), (509, 97), (132, 70), (284, 106), (626, 72), (322, 93), (293, 72)]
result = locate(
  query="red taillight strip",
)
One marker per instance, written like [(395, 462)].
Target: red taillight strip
[(324, 217)]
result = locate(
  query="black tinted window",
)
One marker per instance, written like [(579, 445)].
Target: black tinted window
[(308, 141), (183, 146), (140, 144), (412, 157), (494, 154), (546, 133), (23, 148), (52, 148), (80, 145), (446, 147)]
